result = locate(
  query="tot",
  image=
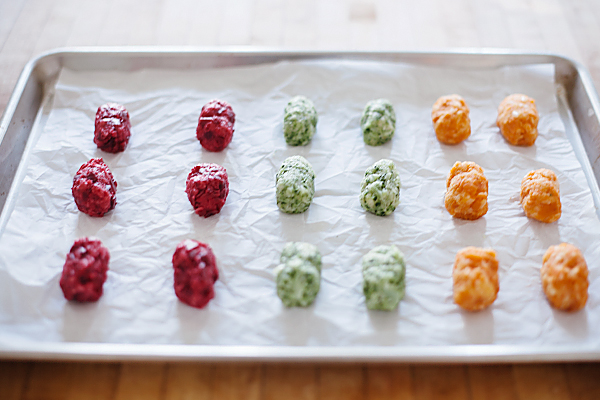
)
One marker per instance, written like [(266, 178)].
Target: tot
[(195, 273), (475, 278), (112, 128), (466, 191), (207, 187), (380, 188), (295, 182), (299, 274), (564, 276), (540, 195), (518, 120), (299, 121), (450, 116), (384, 278), (84, 271), (378, 122), (94, 188)]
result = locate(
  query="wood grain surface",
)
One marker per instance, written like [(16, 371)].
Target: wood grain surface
[(29, 27)]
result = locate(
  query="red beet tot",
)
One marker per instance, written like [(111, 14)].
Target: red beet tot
[(196, 271), (218, 108), (84, 271), (207, 187), (215, 125), (94, 188), (112, 128)]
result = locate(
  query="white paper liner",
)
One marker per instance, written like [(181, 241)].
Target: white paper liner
[(153, 213)]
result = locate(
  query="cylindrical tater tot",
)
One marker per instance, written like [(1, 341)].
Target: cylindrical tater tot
[(466, 191), (475, 276), (540, 195), (565, 277), (518, 120), (450, 116)]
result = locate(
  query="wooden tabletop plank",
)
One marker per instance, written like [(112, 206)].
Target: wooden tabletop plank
[(141, 381), (268, 21), (97, 381), (582, 380), (428, 24), (13, 377), (388, 382), (332, 25), (538, 382), (57, 28), (394, 27), (205, 27), (235, 26), (174, 21), (87, 27), (143, 24), (290, 381), (492, 382), (300, 24), (441, 382), (189, 381), (49, 381), (459, 24), (9, 13), (492, 23), (557, 35), (237, 382), (346, 382), (584, 25), (522, 26)]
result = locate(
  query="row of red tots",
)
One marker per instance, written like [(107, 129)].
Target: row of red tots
[(194, 263)]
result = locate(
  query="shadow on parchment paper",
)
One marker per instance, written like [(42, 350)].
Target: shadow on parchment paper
[(479, 326), (471, 233), (453, 153), (378, 152), (192, 321), (385, 323), (380, 228), (203, 227), (548, 234), (78, 319), (89, 226), (575, 323), (299, 324), (293, 226)]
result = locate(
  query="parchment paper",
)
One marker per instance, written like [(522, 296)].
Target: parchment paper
[(153, 213)]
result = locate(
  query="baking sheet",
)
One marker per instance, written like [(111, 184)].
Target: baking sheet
[(153, 213)]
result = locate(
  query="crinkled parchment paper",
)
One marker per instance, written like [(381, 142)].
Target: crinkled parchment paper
[(153, 213)]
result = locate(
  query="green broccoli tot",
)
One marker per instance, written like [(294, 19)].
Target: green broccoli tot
[(305, 251), (295, 183), (299, 121), (299, 274), (380, 188), (384, 272), (378, 122)]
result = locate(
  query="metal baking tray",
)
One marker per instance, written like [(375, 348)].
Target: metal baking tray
[(578, 103)]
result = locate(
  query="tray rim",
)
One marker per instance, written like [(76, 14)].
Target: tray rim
[(489, 353)]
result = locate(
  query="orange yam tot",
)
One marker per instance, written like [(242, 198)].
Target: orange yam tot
[(518, 120), (475, 278), (540, 195), (450, 116), (565, 277), (466, 191)]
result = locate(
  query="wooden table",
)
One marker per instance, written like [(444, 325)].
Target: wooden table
[(29, 27)]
